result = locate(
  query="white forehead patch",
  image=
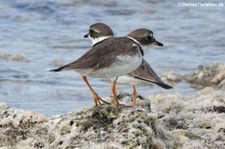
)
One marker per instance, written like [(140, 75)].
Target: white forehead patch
[(97, 31)]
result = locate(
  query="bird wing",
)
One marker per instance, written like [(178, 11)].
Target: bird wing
[(102, 55), (146, 73)]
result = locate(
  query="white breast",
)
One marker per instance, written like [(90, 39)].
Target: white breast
[(147, 48), (123, 65)]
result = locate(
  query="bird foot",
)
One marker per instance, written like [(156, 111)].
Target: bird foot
[(99, 101)]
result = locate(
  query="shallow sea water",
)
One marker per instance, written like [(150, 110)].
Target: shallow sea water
[(45, 31)]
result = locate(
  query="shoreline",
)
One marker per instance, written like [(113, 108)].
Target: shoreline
[(162, 120)]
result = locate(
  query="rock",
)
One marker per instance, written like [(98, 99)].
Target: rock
[(10, 57), (207, 76), (3, 105), (17, 57), (220, 128), (168, 121), (204, 76), (172, 77), (206, 91), (193, 121), (127, 99), (220, 75), (122, 127), (100, 127), (4, 55), (222, 85), (16, 125)]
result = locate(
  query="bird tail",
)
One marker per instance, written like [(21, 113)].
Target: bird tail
[(58, 69)]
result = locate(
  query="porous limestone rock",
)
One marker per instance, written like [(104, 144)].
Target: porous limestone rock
[(207, 76), (172, 120)]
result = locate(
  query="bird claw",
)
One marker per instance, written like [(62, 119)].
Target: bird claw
[(99, 101)]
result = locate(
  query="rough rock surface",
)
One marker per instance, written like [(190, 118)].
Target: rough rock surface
[(170, 121), (213, 76), (99, 127), (196, 122), (208, 76)]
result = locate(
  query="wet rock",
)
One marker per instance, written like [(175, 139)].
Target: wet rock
[(207, 76), (10, 57), (3, 55), (17, 57), (204, 76), (172, 77)]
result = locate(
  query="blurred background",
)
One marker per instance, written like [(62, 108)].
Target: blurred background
[(39, 35)]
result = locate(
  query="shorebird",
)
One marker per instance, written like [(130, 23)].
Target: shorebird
[(114, 57), (98, 32)]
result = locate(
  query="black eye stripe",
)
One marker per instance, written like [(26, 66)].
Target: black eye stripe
[(148, 37), (91, 31)]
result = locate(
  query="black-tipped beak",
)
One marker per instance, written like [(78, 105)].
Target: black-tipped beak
[(158, 43), (86, 36)]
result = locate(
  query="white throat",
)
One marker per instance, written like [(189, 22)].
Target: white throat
[(99, 39), (147, 48)]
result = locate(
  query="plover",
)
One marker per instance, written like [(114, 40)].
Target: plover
[(112, 58), (100, 31)]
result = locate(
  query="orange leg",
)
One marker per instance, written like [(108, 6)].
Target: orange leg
[(134, 95), (116, 103), (97, 99)]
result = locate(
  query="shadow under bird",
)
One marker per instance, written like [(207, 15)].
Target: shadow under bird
[(98, 32)]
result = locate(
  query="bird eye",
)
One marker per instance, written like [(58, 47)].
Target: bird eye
[(91, 31), (148, 37)]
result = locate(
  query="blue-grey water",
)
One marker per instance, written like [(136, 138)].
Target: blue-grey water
[(44, 31)]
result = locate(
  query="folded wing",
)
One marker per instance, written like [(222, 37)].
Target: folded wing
[(146, 73)]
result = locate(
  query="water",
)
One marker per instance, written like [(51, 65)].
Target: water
[(47, 30)]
